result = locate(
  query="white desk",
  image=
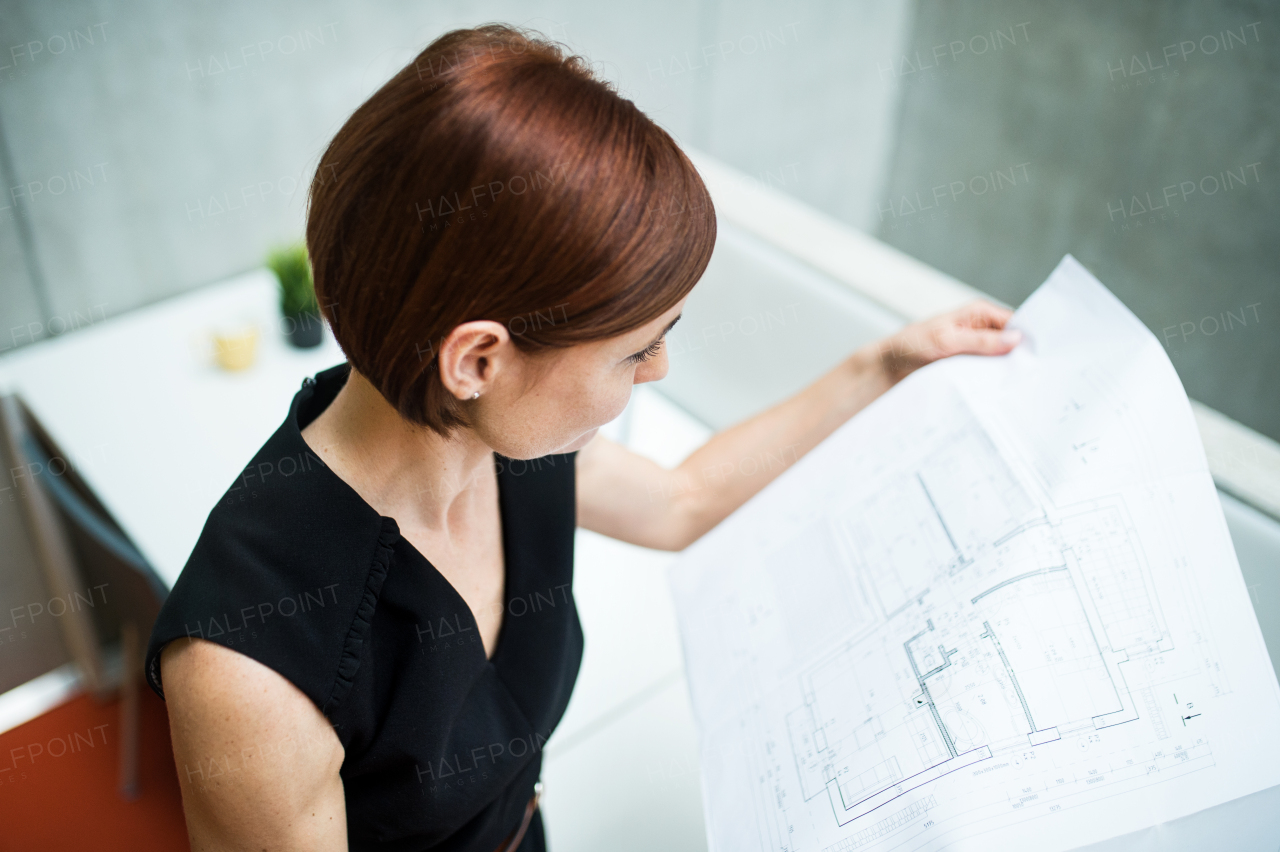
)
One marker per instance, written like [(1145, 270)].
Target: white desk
[(156, 429)]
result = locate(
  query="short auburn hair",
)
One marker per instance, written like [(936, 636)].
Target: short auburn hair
[(496, 177)]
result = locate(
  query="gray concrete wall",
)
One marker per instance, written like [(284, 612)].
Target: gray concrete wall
[(147, 148), (154, 147), (805, 113), (1106, 130)]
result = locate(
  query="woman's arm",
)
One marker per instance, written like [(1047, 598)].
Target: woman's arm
[(257, 760), (628, 497)]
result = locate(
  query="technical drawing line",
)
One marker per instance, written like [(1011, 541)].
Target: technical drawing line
[(924, 688), (1037, 573), (1021, 528), (914, 600), (941, 521), (1128, 711), (914, 782), (990, 634), (946, 657), (884, 826), (1153, 712)]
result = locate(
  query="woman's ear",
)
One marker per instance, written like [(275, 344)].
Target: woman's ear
[(472, 355)]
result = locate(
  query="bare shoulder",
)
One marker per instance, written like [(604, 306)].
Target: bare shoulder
[(256, 759)]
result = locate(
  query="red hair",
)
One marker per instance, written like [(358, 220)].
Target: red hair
[(495, 177)]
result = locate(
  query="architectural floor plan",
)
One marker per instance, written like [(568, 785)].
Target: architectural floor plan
[(998, 609)]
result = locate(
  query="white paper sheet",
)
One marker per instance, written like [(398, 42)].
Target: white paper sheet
[(998, 609)]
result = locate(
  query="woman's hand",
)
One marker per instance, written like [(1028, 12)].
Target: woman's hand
[(975, 329)]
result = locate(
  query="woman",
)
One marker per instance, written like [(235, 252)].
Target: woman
[(375, 633)]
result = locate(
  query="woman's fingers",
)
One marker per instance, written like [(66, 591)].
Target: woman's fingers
[(982, 314), (980, 341), (978, 328)]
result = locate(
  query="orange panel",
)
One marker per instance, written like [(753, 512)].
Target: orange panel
[(58, 782)]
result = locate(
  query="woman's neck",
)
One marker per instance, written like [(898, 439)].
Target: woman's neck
[(403, 471)]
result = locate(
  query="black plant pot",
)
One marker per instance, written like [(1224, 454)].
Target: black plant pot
[(303, 330)]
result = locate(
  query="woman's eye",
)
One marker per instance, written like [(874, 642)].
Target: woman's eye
[(646, 354)]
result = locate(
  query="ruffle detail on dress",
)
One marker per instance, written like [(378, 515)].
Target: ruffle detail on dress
[(349, 662)]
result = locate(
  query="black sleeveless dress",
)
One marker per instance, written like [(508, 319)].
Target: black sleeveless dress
[(295, 570)]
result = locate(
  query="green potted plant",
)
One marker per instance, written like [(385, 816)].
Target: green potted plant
[(298, 307)]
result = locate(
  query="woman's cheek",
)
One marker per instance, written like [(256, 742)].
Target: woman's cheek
[(617, 404)]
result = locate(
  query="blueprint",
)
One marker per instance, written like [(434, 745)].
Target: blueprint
[(998, 609)]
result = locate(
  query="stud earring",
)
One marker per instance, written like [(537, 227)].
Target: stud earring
[(475, 395)]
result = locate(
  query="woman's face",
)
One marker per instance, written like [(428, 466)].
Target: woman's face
[(555, 402)]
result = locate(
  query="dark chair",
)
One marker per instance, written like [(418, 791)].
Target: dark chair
[(110, 593)]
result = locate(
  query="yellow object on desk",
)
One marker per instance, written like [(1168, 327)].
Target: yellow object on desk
[(236, 349)]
